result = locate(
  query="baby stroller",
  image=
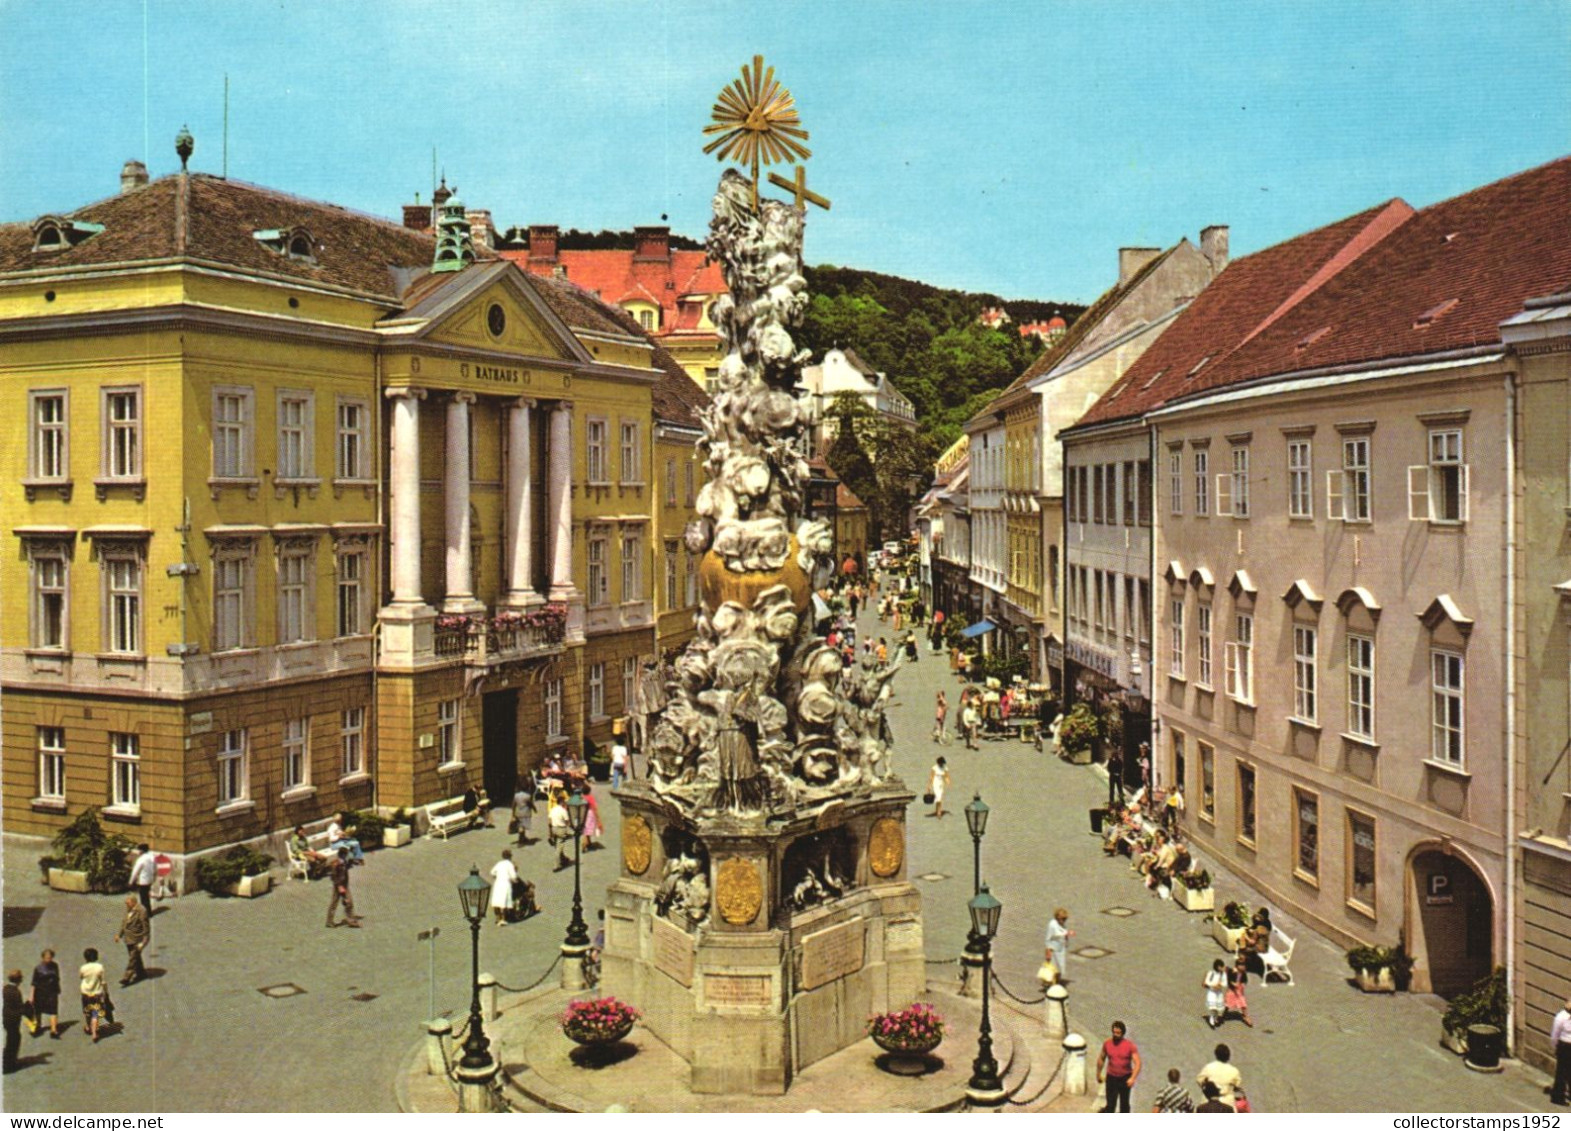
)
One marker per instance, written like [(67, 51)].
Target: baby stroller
[(523, 905)]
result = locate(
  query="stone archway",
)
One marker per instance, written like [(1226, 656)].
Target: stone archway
[(1450, 921)]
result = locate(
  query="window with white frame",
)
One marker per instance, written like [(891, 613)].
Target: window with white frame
[(632, 563), (672, 580), (1145, 492), (1446, 691), (232, 417), (1207, 781), (595, 450), (353, 422), (122, 567), (351, 592), (1203, 642), (1361, 686), (294, 593), (49, 439), (1306, 835), (1300, 476), (632, 469), (1127, 503), (1232, 489), (1347, 490), (122, 409), (51, 571), (1099, 621), (352, 737), (231, 597), (297, 753), (597, 690), (1175, 481), (1305, 700), (599, 578), (1202, 464), (1143, 610), (125, 772), (1361, 862), (629, 683), (448, 749), (1175, 662), (553, 708), (51, 763), (294, 435), (1437, 491), (1097, 513), (1245, 801), (1240, 658), (670, 482), (234, 784)]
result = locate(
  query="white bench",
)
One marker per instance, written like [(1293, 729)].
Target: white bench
[(1277, 956), (445, 816), (304, 867)]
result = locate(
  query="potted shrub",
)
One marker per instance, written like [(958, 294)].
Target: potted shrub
[(1483, 1005), (907, 1036), (241, 870), (397, 832), (367, 826), (1077, 733), (597, 1027), (1228, 927), (89, 859), (1193, 891), (1373, 968)]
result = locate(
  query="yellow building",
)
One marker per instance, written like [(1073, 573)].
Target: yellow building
[(308, 513), (677, 430)]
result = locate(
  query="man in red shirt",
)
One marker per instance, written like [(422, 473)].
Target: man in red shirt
[(1119, 1064)]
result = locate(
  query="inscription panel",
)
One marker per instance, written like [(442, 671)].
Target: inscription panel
[(833, 953), (737, 989), (673, 949)]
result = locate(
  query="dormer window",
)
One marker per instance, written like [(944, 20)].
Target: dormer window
[(295, 243), (51, 233)]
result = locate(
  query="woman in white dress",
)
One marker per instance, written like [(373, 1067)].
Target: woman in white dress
[(937, 782), (503, 877), (1058, 936)]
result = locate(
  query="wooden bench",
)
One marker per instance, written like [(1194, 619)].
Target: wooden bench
[(1277, 956), (307, 867), (445, 816)]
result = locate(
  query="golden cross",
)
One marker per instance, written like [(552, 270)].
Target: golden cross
[(798, 188)]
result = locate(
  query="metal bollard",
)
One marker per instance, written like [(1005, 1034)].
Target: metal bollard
[(488, 997), (1056, 1011), (1074, 1065), (439, 1035)]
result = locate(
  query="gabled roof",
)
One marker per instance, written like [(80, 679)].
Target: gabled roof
[(676, 397), (619, 276), (846, 499)]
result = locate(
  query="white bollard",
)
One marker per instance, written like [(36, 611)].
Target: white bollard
[(1074, 1065), (439, 1035), (488, 997), (1056, 1011)]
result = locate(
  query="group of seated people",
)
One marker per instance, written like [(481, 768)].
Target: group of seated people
[(1156, 854), (1255, 942), (570, 775), (300, 845)]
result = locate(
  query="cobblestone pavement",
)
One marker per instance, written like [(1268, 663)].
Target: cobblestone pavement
[(201, 1036)]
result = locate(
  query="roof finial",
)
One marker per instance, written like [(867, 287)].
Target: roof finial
[(455, 247), (184, 145)]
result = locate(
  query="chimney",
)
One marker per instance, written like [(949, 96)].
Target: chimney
[(1213, 245), (652, 242), (1132, 259), (133, 175), (481, 229), (417, 216), (542, 243)]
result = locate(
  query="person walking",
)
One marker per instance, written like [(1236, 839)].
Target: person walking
[(1115, 776), (524, 808), (913, 653), (854, 599), (96, 1006), (1058, 936), (340, 874), (1235, 1001), (593, 829), (503, 877), (971, 721), (940, 716), (561, 829), (144, 871), (1175, 1098), (937, 782), (45, 994), (1221, 1073), (134, 932), (1215, 984), (1560, 1041), (936, 630), (619, 757), (11, 1014), (1118, 1064), (1173, 810)]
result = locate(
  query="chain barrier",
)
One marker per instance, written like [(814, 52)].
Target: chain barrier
[(536, 983), (943, 961), (1016, 997)]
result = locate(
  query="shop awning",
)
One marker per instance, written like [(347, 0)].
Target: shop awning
[(977, 629)]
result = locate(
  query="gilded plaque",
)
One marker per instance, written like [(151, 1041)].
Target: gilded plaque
[(886, 847), (739, 891), (635, 844)]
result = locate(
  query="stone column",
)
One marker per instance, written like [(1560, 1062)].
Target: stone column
[(561, 503), (1074, 1065), (520, 507), (405, 486), (1055, 1022), (455, 498)]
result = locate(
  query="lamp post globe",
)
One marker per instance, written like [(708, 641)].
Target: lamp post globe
[(986, 1088), (976, 812), (473, 894)]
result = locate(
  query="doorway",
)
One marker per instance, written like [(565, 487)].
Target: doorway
[(499, 731), (1455, 921)]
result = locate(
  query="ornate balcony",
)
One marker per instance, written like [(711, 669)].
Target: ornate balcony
[(504, 636)]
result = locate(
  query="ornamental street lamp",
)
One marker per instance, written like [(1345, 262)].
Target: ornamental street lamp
[(976, 820), (577, 941), (473, 894), (985, 1088)]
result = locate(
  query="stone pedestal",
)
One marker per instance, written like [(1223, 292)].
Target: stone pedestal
[(763, 987)]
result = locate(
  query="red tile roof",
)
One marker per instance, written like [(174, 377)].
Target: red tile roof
[(846, 499), (620, 276)]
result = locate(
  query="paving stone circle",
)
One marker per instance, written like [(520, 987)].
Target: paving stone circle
[(281, 990), (1119, 912), (1091, 952)]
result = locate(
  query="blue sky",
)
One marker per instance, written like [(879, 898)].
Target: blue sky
[(1005, 147)]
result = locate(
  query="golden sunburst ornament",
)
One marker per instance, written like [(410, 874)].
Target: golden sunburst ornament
[(755, 119)]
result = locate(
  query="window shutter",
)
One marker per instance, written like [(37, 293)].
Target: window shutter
[(1335, 484), (1418, 507)]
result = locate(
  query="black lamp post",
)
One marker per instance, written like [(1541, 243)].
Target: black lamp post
[(986, 1087), (976, 820), (577, 940), (473, 894)]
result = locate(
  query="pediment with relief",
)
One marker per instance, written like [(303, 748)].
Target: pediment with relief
[(496, 319)]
